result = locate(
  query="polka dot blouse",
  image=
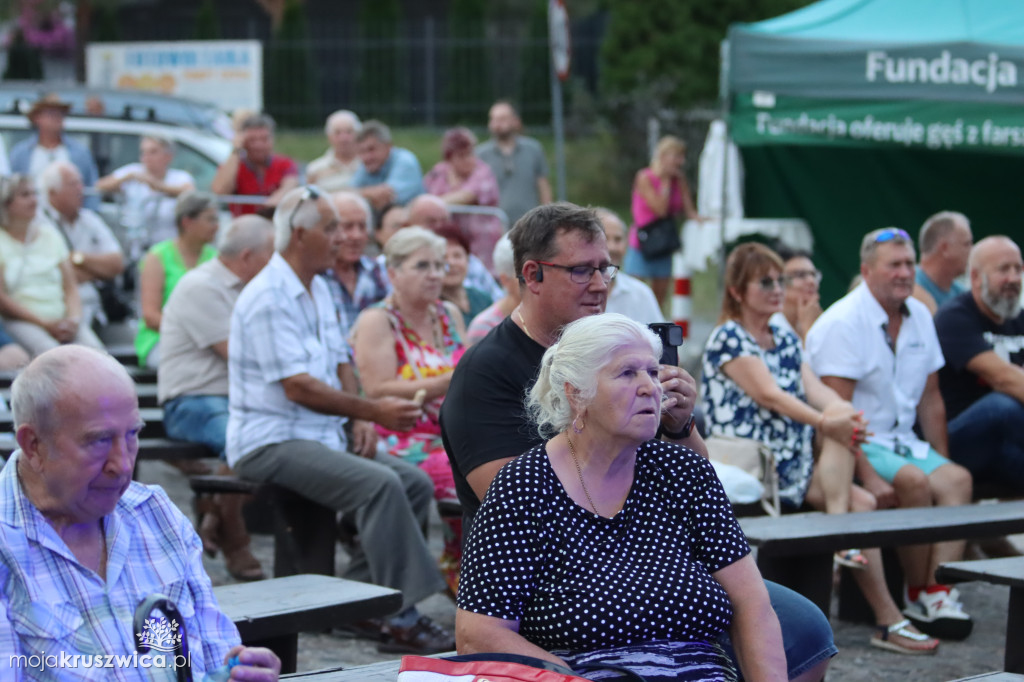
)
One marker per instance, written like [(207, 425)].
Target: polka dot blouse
[(577, 581)]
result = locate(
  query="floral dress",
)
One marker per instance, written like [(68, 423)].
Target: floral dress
[(729, 411)]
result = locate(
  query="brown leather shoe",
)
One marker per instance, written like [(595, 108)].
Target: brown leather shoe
[(242, 565), (424, 637)]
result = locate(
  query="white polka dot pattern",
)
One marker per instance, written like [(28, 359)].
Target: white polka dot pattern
[(578, 581)]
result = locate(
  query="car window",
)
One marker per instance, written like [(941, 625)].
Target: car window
[(123, 148)]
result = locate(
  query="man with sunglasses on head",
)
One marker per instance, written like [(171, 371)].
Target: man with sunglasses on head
[(564, 269), (292, 389), (877, 348)]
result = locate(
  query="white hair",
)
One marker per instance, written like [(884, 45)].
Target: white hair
[(356, 198), (52, 179), (409, 240), (504, 259), (584, 349), (343, 116), (298, 208), (245, 232)]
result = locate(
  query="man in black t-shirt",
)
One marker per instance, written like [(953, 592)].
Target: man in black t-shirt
[(561, 259), (982, 383)]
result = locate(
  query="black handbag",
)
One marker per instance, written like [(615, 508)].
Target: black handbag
[(659, 237)]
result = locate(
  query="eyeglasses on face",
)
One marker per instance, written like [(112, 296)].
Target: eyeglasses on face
[(308, 192), (425, 266), (582, 274), (891, 233), (768, 283), (797, 275)]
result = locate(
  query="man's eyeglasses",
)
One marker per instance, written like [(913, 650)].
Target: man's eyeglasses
[(890, 233), (582, 274), (769, 283), (797, 275), (308, 192)]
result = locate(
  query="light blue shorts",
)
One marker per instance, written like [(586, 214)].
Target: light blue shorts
[(635, 264), (887, 462)]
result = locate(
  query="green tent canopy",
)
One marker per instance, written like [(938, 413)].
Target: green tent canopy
[(858, 114)]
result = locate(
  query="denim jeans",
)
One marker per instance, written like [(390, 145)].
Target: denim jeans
[(198, 419), (988, 441)]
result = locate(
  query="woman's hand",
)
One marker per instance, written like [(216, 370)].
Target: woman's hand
[(845, 425)]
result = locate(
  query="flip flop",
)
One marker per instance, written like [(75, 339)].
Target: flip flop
[(851, 558), (882, 640)]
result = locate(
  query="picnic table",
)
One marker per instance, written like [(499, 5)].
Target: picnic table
[(1004, 571), (271, 613)]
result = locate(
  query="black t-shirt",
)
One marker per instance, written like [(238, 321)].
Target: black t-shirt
[(483, 417), (965, 332)]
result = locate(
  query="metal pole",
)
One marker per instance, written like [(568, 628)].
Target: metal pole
[(557, 122)]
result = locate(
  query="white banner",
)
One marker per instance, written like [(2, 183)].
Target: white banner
[(228, 73)]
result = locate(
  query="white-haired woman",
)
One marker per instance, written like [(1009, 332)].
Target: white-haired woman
[(491, 317), (38, 291), (166, 262), (597, 546), (410, 342)]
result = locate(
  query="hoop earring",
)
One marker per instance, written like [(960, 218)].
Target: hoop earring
[(576, 428)]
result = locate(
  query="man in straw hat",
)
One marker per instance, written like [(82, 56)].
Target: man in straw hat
[(49, 143)]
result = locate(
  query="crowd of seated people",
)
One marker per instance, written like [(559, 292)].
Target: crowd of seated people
[(340, 375)]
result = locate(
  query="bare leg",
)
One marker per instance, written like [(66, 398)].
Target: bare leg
[(832, 479), (913, 491), (659, 285), (951, 485)]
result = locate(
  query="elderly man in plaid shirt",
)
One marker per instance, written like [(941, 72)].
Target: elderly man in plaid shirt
[(81, 544)]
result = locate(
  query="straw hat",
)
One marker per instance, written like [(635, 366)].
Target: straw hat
[(50, 100)]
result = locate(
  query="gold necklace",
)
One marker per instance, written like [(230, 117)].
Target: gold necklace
[(525, 328), (579, 472)]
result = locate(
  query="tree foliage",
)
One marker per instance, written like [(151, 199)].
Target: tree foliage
[(674, 43), (290, 87)]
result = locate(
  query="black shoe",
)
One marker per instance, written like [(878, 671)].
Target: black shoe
[(425, 637)]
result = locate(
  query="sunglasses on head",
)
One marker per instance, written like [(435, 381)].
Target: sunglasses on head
[(308, 192), (891, 233)]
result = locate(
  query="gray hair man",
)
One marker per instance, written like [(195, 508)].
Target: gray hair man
[(945, 242), (335, 169), (355, 280), (192, 382), (96, 255), (877, 348), (79, 538), (291, 391)]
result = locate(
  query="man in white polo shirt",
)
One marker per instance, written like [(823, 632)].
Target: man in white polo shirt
[(877, 348)]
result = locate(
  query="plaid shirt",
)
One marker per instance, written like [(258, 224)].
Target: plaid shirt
[(371, 286), (50, 604)]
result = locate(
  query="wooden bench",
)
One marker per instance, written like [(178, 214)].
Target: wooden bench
[(993, 677), (1008, 571), (271, 613), (796, 550), (387, 671)]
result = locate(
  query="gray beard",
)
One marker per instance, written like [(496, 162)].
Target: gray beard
[(1004, 307)]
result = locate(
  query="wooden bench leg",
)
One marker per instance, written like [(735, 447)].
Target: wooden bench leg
[(808, 574), (305, 535), (1013, 661), (285, 646)]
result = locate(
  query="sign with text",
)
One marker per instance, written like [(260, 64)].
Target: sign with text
[(228, 73)]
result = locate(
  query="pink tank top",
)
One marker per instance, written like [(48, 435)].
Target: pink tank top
[(642, 213)]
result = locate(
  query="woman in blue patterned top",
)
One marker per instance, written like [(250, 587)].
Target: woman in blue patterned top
[(604, 546), (756, 385)]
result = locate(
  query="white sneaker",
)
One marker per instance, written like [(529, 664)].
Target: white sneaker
[(939, 614)]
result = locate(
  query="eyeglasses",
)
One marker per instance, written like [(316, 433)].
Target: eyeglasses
[(582, 274), (797, 275), (308, 192), (890, 233), (769, 283)]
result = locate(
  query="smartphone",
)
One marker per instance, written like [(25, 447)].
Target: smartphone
[(671, 335)]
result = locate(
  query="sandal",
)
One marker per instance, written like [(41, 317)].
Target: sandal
[(904, 630), (851, 558)]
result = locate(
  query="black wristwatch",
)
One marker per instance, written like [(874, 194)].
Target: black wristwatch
[(681, 433)]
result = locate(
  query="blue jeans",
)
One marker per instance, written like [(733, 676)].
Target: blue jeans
[(198, 419), (806, 634), (987, 440)]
